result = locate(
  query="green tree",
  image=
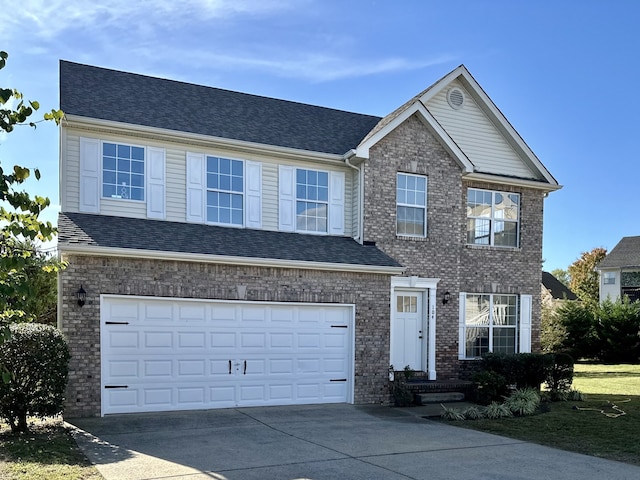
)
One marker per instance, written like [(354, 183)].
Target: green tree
[(585, 282), (19, 212), (562, 276)]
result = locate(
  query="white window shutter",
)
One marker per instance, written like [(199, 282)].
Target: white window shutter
[(195, 187), (90, 173), (462, 340), (253, 194), (287, 198), (156, 183), (336, 203), (525, 323)]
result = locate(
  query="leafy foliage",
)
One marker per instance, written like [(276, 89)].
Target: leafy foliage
[(452, 413), (521, 369), (618, 331), (584, 277), (577, 320), (19, 212), (497, 410), (562, 276), (523, 402), (36, 358), (489, 386), (559, 375)]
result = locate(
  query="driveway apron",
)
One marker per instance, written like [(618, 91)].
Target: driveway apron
[(318, 442)]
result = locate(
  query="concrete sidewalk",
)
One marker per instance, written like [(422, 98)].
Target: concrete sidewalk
[(319, 442)]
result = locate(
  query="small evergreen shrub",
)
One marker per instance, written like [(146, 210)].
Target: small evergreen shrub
[(523, 402), (559, 375), (36, 358), (489, 386)]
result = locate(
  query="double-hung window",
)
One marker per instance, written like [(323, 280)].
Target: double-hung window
[(490, 324), (609, 278), (225, 191), (493, 218), (312, 200), (411, 205), (122, 171)]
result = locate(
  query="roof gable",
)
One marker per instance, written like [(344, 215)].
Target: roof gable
[(556, 288), (480, 138), (625, 254), (105, 94)]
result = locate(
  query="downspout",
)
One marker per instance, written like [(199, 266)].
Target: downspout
[(360, 221)]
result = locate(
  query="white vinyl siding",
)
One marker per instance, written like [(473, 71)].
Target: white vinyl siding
[(176, 187), (270, 196), (477, 136)]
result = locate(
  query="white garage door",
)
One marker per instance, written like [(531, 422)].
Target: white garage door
[(166, 354)]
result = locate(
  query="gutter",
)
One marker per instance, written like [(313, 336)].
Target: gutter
[(359, 237)]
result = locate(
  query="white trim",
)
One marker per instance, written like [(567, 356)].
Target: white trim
[(525, 324), (225, 259), (155, 182), (447, 142), (490, 109), (428, 288), (252, 194), (195, 184), (518, 182)]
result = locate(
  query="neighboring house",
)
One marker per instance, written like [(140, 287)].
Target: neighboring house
[(620, 271), (554, 291), (237, 250)]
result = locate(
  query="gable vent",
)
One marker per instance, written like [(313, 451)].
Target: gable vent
[(455, 97)]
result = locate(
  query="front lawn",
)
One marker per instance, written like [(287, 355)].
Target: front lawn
[(593, 427), (47, 452)]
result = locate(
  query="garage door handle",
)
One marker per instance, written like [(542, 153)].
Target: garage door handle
[(229, 367), (245, 368), (116, 323)]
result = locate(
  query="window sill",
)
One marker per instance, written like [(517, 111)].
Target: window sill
[(411, 238), (471, 246)]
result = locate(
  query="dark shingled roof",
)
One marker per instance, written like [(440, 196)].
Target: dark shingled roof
[(557, 289), (625, 254), (101, 93), (82, 229)]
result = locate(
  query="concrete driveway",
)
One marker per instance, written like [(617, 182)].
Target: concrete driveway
[(319, 442)]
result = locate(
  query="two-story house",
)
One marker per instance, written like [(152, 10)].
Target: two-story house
[(228, 249), (619, 271)]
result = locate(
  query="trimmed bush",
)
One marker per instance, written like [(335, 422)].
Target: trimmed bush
[(617, 331), (523, 370), (36, 357), (559, 374), (489, 386)]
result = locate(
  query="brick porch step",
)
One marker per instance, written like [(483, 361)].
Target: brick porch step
[(441, 397)]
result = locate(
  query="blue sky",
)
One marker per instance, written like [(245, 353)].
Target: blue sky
[(563, 72)]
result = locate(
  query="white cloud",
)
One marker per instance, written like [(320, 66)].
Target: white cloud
[(49, 18)]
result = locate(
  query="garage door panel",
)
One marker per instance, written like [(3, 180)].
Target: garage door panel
[(176, 354)]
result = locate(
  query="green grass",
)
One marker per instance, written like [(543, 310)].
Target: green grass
[(47, 452), (592, 427)]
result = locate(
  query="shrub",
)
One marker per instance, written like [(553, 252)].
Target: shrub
[(578, 322), (575, 396), (452, 413), (617, 331), (488, 387), (524, 370), (36, 357), (473, 413), (559, 374), (523, 402), (497, 410)]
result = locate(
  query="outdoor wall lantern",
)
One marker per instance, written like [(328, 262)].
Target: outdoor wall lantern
[(82, 296), (446, 297)]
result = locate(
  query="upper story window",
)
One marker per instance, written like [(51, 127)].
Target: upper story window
[(122, 171), (490, 324), (493, 218), (312, 200), (411, 205), (609, 278), (225, 191)]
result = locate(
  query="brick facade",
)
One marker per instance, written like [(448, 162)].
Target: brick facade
[(443, 254), (161, 278)]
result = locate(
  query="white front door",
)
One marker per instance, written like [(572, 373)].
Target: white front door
[(407, 330)]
